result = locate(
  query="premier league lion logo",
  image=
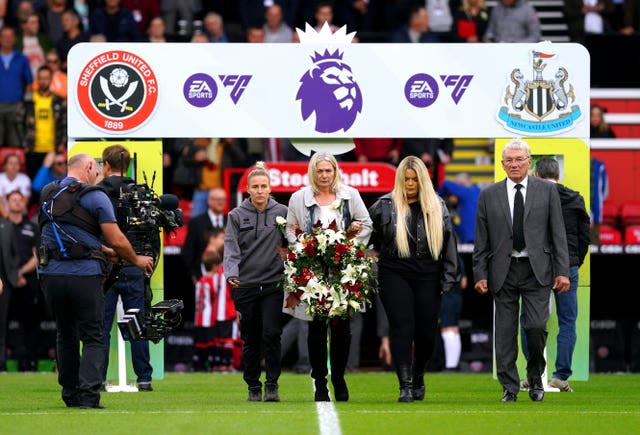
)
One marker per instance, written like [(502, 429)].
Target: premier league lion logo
[(329, 90)]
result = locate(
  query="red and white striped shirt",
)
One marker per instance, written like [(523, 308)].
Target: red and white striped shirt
[(213, 300)]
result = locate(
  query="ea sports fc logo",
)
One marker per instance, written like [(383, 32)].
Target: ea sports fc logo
[(117, 91)]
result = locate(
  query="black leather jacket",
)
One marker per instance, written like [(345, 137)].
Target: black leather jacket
[(383, 238)]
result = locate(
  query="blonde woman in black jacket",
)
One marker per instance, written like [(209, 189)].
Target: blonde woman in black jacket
[(413, 235)]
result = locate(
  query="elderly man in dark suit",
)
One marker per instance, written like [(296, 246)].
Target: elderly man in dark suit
[(198, 231), (520, 252)]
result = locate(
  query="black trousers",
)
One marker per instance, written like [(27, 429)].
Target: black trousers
[(260, 326), (340, 330), (412, 305), (77, 304)]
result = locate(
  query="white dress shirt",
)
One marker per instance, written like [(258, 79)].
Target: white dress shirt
[(511, 196)]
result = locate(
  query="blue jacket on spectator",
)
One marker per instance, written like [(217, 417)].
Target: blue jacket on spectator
[(43, 177), (14, 77), (467, 206)]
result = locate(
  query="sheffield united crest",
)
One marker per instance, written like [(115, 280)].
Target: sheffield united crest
[(117, 91)]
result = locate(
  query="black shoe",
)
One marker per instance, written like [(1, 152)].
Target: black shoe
[(91, 406), (417, 387), (322, 393), (418, 393), (255, 394), (271, 393), (536, 389), (406, 395), (405, 380), (340, 390), (145, 386), (508, 396)]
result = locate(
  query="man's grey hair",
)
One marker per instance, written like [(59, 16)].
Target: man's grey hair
[(517, 144)]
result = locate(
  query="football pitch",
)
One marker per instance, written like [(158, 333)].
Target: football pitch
[(216, 404)]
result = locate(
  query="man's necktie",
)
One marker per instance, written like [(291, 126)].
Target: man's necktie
[(518, 220)]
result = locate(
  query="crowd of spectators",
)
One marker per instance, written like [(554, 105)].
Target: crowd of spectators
[(36, 36)]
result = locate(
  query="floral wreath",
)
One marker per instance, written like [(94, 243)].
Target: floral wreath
[(329, 271)]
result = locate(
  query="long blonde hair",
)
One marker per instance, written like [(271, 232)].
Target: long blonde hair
[(429, 202)]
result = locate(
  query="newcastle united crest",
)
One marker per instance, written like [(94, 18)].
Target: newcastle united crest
[(117, 91), (539, 104)]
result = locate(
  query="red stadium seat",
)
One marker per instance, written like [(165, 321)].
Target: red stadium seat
[(5, 151), (610, 214), (632, 235), (609, 235)]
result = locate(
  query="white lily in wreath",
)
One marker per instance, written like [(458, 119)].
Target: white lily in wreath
[(281, 223)]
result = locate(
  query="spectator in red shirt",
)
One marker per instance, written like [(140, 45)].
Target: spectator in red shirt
[(378, 150)]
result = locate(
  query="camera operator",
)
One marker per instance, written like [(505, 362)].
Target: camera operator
[(73, 265), (130, 285)]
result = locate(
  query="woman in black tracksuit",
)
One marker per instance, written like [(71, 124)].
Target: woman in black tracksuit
[(253, 268), (413, 235)]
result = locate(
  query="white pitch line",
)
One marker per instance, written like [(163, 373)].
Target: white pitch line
[(334, 431), (328, 419)]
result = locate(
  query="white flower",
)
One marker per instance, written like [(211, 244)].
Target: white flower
[(337, 204), (281, 221), (349, 274), (335, 236), (289, 269), (322, 239), (297, 247), (339, 303), (355, 305)]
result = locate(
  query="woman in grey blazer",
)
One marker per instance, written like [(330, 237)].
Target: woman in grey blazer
[(326, 199)]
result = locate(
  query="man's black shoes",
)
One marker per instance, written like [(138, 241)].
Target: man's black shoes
[(536, 389), (508, 396)]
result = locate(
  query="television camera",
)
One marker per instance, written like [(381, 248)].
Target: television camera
[(141, 214)]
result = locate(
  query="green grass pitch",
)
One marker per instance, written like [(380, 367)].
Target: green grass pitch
[(216, 404)]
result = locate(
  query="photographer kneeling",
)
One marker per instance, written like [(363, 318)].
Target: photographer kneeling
[(74, 215), (130, 284)]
